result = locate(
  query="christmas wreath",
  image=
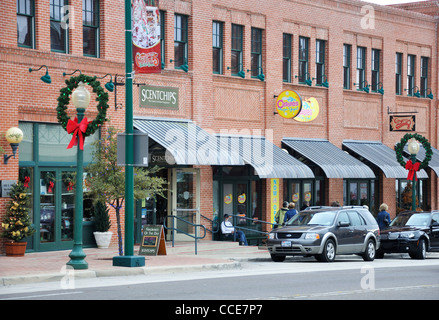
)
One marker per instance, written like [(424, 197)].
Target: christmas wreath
[(413, 167), (85, 128)]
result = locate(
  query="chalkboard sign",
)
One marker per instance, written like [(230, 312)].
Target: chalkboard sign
[(153, 241)]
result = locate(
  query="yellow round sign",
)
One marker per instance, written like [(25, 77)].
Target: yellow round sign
[(310, 110), (288, 104)]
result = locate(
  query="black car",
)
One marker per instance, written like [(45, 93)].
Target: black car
[(324, 233), (415, 233)]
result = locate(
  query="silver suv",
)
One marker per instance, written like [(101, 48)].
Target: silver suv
[(325, 232)]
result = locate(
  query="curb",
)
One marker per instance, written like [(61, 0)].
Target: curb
[(114, 272)]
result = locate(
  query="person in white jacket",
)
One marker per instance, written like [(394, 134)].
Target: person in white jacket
[(228, 229)]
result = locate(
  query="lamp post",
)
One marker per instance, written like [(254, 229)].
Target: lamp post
[(413, 148), (80, 99)]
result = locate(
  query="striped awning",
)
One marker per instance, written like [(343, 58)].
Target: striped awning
[(268, 160), (381, 156), (186, 142), (334, 162)]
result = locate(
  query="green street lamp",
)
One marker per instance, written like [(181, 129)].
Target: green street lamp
[(81, 100), (413, 148)]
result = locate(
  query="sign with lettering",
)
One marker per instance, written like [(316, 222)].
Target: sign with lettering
[(6, 187), (288, 104), (310, 110), (274, 184), (153, 241), (402, 123), (159, 97)]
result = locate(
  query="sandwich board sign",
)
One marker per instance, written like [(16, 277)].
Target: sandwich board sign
[(153, 241)]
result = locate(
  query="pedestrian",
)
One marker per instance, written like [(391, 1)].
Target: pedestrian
[(291, 212), (383, 218), (280, 215), (335, 204), (305, 205), (229, 230)]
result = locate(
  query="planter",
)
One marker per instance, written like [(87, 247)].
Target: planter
[(103, 239), (15, 249)]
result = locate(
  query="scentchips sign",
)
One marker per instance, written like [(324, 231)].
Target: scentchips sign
[(159, 97), (146, 37)]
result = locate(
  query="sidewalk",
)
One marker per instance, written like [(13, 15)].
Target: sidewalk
[(51, 266)]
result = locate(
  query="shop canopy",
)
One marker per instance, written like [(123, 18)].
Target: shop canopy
[(434, 162), (381, 156), (186, 142), (268, 160), (334, 162)]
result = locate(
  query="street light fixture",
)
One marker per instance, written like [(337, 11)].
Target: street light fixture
[(81, 100), (14, 136), (413, 148)]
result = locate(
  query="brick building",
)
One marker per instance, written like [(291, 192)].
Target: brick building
[(229, 63)]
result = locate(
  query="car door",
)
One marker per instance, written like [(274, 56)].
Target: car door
[(434, 238), (344, 232), (359, 233)]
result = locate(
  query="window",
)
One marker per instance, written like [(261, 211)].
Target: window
[(237, 39), (286, 69), (424, 76), (303, 59), (320, 62), (347, 66), (375, 69), (25, 23), (58, 26), (256, 52), (180, 40), (410, 74), (217, 47), (90, 27), (398, 73), (361, 67)]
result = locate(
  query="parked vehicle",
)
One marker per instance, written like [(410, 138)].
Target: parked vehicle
[(415, 233), (325, 232)]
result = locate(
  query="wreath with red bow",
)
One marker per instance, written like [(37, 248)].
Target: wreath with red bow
[(85, 127), (413, 167)]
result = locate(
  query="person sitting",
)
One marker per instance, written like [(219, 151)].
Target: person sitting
[(228, 231)]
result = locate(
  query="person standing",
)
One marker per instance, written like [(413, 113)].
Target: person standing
[(291, 212), (228, 230), (383, 218)]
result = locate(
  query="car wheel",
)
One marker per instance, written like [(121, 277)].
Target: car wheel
[(421, 251), (328, 254), (277, 258), (369, 254)]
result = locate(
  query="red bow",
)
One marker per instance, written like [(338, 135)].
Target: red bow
[(50, 188), (77, 130), (26, 182), (412, 169)]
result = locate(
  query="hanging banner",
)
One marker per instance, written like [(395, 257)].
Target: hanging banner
[(274, 205), (146, 37)]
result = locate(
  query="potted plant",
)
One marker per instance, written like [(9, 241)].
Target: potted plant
[(16, 224), (103, 224)]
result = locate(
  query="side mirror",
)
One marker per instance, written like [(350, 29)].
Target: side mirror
[(343, 224)]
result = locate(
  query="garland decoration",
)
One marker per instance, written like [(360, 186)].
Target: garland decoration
[(409, 165), (64, 100)]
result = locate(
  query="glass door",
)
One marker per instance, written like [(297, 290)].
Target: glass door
[(185, 202), (57, 205)]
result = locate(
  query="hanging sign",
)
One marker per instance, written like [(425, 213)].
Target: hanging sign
[(402, 123), (274, 205), (288, 104), (153, 241), (310, 110), (146, 37)]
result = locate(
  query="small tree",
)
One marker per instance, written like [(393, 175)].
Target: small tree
[(106, 180), (102, 219), (16, 225)]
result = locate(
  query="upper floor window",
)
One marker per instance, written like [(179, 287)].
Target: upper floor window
[(347, 66), (286, 68), (90, 27), (320, 62), (256, 52), (25, 23), (217, 47), (410, 74), (361, 67), (375, 69), (398, 73), (58, 26), (180, 41), (303, 59), (237, 49), (424, 76)]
